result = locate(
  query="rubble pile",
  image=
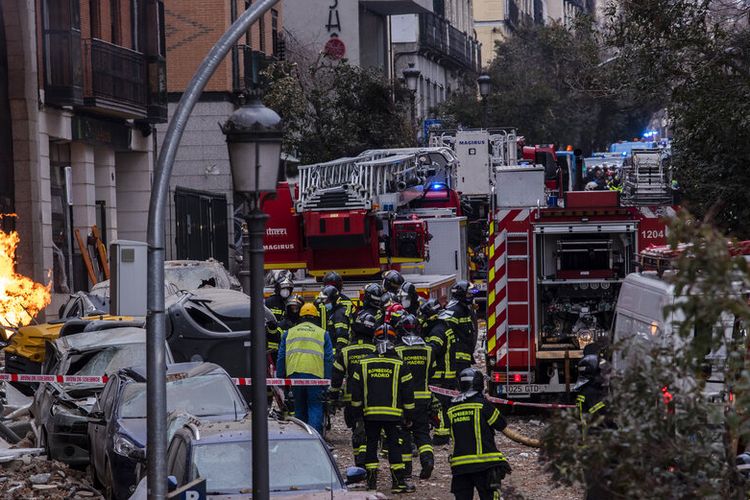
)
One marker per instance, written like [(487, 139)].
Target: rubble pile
[(30, 477)]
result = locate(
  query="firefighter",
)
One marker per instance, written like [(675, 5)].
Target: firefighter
[(462, 319), (291, 312), (382, 394), (273, 334), (335, 319), (439, 336), (417, 358), (476, 462), (347, 361), (306, 352), (282, 290), (372, 302), (392, 281), (333, 278), (409, 298)]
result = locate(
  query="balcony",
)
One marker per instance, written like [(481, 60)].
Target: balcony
[(439, 38), (63, 73), (115, 80), (397, 7)]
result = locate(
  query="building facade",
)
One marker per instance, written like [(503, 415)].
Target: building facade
[(201, 209), (442, 45), (82, 82)]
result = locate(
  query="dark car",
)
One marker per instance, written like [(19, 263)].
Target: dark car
[(61, 410), (117, 427), (300, 465)]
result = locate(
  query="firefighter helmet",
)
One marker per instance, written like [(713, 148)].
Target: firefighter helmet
[(393, 313), (463, 291), (373, 296), (471, 379), (364, 325), (408, 295), (283, 285), (294, 303), (407, 325), (392, 281), (430, 308), (329, 295), (384, 332), (334, 279), (309, 311), (588, 370)]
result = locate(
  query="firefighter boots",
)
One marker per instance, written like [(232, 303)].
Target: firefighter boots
[(428, 464), (399, 484), (372, 479)]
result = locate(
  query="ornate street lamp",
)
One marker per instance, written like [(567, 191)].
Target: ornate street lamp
[(411, 77), (254, 136), (485, 86)]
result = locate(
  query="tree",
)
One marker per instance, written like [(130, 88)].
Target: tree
[(548, 82), (333, 109), (662, 437), (696, 56)]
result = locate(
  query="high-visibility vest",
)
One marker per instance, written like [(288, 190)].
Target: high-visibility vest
[(305, 349)]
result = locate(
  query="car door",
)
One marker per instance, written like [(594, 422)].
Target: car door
[(46, 394), (98, 423)]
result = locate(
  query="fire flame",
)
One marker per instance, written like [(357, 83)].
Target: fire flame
[(20, 297)]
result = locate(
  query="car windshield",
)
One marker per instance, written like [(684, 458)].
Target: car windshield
[(294, 465), (202, 396), (107, 360), (194, 277)]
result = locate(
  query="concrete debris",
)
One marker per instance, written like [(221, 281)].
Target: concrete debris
[(36, 477), (40, 478)]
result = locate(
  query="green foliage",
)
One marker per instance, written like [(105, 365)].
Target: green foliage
[(696, 55), (683, 446), (548, 82), (333, 109)]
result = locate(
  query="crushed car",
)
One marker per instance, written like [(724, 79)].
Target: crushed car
[(61, 410), (117, 422)]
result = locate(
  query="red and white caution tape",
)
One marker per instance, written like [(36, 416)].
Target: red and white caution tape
[(285, 381), (63, 379), (491, 399)]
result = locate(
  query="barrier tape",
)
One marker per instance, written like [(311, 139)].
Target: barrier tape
[(492, 399), (285, 382)]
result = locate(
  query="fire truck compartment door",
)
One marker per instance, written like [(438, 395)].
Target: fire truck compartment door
[(594, 227), (447, 247), (519, 186)]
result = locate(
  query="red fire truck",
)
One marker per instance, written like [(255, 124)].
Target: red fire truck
[(555, 271), (384, 209)]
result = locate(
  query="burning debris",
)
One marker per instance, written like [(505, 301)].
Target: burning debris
[(20, 297)]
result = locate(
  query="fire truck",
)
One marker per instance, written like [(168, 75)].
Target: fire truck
[(556, 265), (383, 209)]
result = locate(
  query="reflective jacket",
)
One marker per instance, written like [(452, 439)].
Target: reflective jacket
[(273, 337), (305, 349), (337, 324), (417, 360), (439, 337), (590, 404), (376, 312), (381, 388), (473, 422), (462, 321), (347, 361), (348, 304), (277, 304)]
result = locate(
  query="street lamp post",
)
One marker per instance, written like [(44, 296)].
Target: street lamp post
[(156, 382), (485, 84), (411, 77), (254, 135)]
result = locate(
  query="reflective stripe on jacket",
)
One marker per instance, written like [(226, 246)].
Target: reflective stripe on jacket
[(305, 350), (473, 424)]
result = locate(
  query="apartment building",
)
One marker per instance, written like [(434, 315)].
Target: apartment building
[(82, 83)]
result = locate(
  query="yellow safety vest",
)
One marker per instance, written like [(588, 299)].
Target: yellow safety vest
[(305, 349)]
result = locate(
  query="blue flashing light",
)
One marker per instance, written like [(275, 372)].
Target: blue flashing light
[(650, 133), (438, 186)]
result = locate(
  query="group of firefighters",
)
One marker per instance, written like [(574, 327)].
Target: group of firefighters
[(382, 359)]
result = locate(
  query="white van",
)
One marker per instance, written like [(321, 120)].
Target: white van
[(640, 324)]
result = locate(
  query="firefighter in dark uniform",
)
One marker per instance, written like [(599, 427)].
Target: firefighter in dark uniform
[(392, 281), (462, 319), (592, 413), (439, 337), (417, 358), (282, 290), (347, 361), (372, 302), (382, 393), (332, 278), (336, 320), (476, 462), (409, 298), (291, 312), (273, 334)]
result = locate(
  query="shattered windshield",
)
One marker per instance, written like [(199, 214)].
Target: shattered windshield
[(227, 467), (108, 360), (201, 396), (194, 277)]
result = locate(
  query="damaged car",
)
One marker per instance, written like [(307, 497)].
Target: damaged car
[(117, 424), (61, 410)]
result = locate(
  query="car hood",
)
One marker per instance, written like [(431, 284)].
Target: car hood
[(134, 428)]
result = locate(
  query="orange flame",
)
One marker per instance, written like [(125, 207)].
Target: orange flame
[(20, 297)]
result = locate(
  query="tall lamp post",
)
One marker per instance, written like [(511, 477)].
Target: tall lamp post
[(156, 382), (485, 85), (411, 77), (254, 136)]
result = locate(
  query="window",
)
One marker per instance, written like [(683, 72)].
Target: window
[(114, 11), (95, 18), (135, 35), (262, 33), (60, 182), (275, 31)]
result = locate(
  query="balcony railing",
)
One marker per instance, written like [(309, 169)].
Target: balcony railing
[(115, 78), (438, 36)]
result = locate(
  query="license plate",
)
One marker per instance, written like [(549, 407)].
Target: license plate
[(523, 389)]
